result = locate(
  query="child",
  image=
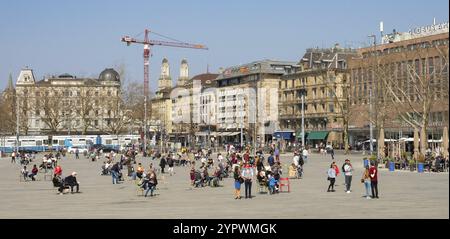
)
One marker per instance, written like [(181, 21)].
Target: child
[(272, 184)]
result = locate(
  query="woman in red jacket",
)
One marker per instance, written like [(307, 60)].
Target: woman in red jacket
[(57, 171), (336, 168)]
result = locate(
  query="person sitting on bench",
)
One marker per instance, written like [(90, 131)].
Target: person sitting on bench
[(71, 181), (33, 173)]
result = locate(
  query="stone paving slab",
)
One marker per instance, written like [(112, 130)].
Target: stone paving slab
[(402, 195)]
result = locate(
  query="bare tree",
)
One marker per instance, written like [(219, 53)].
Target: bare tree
[(52, 106), (117, 115), (423, 81), (7, 113), (339, 90), (84, 110)]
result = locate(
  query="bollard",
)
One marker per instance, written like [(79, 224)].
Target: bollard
[(391, 166)]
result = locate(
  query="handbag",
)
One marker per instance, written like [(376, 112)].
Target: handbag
[(328, 178), (362, 180), (241, 180)]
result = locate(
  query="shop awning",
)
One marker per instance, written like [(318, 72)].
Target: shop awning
[(317, 135), (284, 134)]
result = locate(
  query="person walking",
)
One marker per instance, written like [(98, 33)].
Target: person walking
[(366, 180), (305, 155), (170, 162), (331, 177), (77, 154), (373, 171), (348, 172), (115, 170), (13, 157), (332, 153), (162, 163), (238, 180), (247, 174)]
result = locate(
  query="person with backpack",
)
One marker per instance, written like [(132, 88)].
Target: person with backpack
[(347, 168)]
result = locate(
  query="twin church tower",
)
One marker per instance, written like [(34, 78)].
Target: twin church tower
[(165, 81)]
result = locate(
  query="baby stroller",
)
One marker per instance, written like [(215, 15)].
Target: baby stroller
[(106, 170)]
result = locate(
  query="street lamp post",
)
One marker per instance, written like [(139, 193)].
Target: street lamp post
[(370, 101), (242, 123), (303, 114), (17, 123), (370, 122)]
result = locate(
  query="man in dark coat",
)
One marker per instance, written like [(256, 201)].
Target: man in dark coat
[(71, 181), (162, 164)]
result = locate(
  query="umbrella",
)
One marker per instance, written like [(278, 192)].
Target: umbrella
[(416, 143), (445, 142), (381, 143)]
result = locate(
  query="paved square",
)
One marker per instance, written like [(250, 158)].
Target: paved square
[(402, 195)]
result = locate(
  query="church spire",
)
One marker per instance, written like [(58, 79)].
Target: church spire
[(165, 81), (10, 82), (184, 73)]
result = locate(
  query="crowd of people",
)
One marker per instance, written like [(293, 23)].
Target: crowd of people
[(245, 168)]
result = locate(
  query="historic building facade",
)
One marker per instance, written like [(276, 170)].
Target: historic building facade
[(247, 101), (321, 79), (161, 104), (66, 104)]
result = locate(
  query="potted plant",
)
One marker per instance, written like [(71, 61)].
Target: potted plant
[(412, 165)]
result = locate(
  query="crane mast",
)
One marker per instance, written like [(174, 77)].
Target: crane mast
[(147, 45)]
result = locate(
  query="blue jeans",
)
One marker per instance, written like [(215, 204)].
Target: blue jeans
[(368, 187), (115, 177), (150, 188)]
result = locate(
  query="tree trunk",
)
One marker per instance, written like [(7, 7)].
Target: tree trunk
[(423, 140), (346, 146)]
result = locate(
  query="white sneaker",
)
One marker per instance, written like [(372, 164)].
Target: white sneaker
[(348, 192), (368, 197)]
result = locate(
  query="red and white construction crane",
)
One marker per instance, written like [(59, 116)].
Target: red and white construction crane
[(147, 44)]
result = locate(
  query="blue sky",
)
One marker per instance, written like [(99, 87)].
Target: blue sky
[(83, 37)]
